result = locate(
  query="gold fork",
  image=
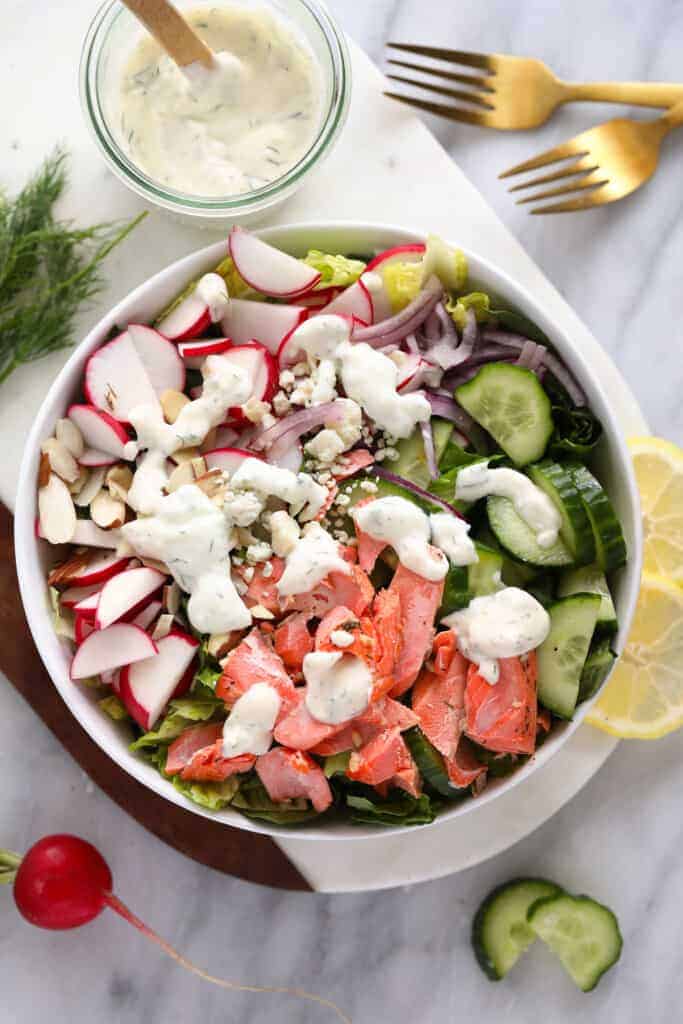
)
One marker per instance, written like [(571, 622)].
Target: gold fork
[(610, 162), (515, 92)]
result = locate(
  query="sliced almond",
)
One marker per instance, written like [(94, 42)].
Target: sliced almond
[(92, 487), (107, 512), (154, 563), (199, 466), (209, 442), (259, 612), (125, 548), (63, 574), (77, 486), (56, 511), (163, 627), (170, 598), (171, 404), (119, 479), (211, 482), (62, 461), (180, 476), (44, 470), (184, 455), (219, 644), (68, 433)]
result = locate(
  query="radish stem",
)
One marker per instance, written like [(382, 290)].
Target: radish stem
[(115, 904), (9, 863)]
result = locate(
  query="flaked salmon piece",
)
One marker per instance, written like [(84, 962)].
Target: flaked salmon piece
[(262, 589), (386, 612), (419, 601), (354, 591), (380, 759), (503, 717), (360, 629), (384, 714), (409, 779), (353, 462), (254, 661), (192, 739), (464, 768), (300, 730), (369, 549), (293, 641), (290, 774), (209, 765), (544, 721), (438, 696)]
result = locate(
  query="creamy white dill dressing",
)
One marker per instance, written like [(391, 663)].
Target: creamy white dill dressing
[(501, 625), (229, 129), (406, 528), (451, 534), (212, 289), (249, 729), (338, 686), (299, 490), (531, 503), (314, 556)]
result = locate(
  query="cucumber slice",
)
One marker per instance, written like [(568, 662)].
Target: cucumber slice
[(513, 534), (468, 581), (562, 655), (456, 591), (500, 932), (430, 763), (584, 935), (510, 403), (597, 667), (412, 461), (576, 530), (590, 579), (610, 546)]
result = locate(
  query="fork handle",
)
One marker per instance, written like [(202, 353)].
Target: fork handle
[(639, 94)]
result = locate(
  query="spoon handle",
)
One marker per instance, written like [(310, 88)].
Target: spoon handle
[(169, 28)]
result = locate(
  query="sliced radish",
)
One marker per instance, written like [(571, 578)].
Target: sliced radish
[(87, 607), (159, 357), (147, 686), (403, 253), (267, 269), (100, 568), (149, 613), (225, 438), (111, 678), (83, 627), (105, 649), (185, 683), (125, 592), (94, 459), (89, 535), (354, 301), (102, 435), (290, 459), (261, 321), (319, 299), (116, 380), (194, 353), (228, 459), (187, 320), (70, 598), (262, 370)]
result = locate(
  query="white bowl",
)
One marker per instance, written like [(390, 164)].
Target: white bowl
[(33, 556)]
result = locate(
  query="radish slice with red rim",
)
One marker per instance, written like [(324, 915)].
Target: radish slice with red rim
[(266, 322), (160, 358), (106, 649), (193, 353), (125, 593), (147, 686), (189, 318), (103, 436), (261, 367), (228, 459), (269, 270), (355, 301), (115, 378)]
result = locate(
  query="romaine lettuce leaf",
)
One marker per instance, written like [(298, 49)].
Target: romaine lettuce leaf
[(336, 764), (335, 271), (181, 714), (402, 281), (398, 809), (253, 801), (214, 796), (114, 707)]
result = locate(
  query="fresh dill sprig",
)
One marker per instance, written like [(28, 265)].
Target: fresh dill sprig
[(48, 268)]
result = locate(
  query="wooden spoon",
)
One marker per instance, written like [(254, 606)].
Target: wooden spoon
[(170, 29)]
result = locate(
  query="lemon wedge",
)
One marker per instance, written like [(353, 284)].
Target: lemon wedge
[(644, 696), (659, 471)]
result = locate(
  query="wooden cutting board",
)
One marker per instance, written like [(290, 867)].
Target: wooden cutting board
[(242, 854)]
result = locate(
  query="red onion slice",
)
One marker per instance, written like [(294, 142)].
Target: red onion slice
[(419, 492), (397, 327), (284, 434), (556, 367), (448, 409)]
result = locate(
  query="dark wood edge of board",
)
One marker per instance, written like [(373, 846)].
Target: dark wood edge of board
[(245, 855)]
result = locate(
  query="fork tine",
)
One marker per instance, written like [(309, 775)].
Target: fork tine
[(470, 59), (595, 198), (474, 81), (441, 109), (455, 94), (589, 184), (551, 156), (584, 166)]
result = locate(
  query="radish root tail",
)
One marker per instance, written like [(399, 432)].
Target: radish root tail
[(115, 904)]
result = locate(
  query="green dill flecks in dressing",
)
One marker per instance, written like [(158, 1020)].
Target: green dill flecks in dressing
[(229, 129), (249, 728), (501, 625), (193, 538), (338, 686), (530, 502), (304, 496), (451, 534), (404, 526), (314, 556)]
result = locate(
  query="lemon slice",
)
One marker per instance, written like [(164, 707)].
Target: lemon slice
[(644, 696), (659, 470)]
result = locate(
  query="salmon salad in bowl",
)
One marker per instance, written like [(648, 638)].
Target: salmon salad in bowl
[(329, 537)]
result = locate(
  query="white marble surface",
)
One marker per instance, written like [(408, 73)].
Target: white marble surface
[(402, 955)]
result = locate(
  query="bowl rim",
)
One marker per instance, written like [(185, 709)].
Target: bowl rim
[(332, 123), (27, 547)]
